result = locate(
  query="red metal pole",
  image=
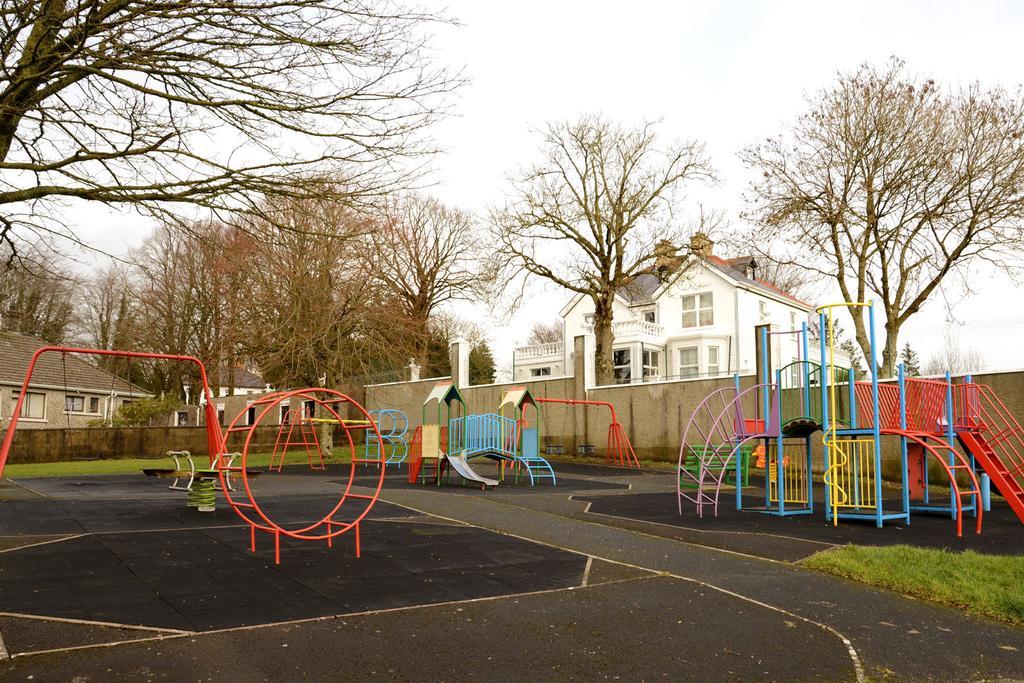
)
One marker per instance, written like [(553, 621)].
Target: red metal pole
[(214, 437), (615, 422)]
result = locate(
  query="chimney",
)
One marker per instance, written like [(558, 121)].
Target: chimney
[(701, 245), (665, 257)]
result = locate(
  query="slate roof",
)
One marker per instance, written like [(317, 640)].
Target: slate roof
[(730, 265), (16, 351), (243, 379)]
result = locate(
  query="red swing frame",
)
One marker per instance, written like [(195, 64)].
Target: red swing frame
[(618, 449), (214, 437)]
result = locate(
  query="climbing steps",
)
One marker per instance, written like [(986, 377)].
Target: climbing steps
[(989, 432)]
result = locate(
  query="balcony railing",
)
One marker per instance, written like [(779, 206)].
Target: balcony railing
[(539, 351), (626, 328)]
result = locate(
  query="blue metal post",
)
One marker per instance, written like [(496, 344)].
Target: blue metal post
[(806, 374), (765, 409), (950, 436), (826, 377), (779, 481), (903, 440), (876, 430)]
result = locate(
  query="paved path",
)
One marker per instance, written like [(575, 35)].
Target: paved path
[(891, 634)]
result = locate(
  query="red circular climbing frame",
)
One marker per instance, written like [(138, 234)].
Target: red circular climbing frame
[(329, 404)]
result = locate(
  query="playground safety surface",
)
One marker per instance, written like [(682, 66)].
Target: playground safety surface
[(108, 576), (797, 536)]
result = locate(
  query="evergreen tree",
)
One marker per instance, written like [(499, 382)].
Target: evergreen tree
[(911, 363), (481, 364)]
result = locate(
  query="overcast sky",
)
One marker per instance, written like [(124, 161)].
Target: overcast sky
[(727, 73)]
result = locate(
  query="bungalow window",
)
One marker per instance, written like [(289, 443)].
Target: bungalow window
[(34, 407), (698, 310), (94, 404), (622, 365), (713, 360), (688, 362), (74, 404), (652, 363), (540, 372)]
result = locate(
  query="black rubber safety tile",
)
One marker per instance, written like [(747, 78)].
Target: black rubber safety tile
[(759, 534), (41, 516), (207, 578)]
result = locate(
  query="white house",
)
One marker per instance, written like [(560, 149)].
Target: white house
[(685, 318)]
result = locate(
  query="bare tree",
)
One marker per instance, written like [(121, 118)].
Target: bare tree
[(425, 254), (107, 308), (180, 300), (216, 104), (587, 217), (893, 188), (545, 333), (36, 295), (310, 312), (788, 277), (954, 357)]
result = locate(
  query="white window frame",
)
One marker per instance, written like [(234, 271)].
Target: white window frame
[(541, 372), (628, 365), (652, 312), (72, 397), (99, 404), (178, 421), (718, 360), (27, 404), (695, 365), (698, 308), (651, 369)]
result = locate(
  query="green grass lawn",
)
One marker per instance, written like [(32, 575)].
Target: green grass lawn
[(136, 465), (988, 585)]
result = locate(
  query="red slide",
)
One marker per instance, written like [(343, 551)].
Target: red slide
[(988, 431)]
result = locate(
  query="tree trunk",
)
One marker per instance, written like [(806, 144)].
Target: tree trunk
[(890, 352), (604, 339)]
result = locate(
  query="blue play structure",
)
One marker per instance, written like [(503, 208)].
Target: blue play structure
[(393, 426), (527, 447), (486, 434)]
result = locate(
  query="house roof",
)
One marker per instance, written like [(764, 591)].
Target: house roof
[(642, 288), (16, 351), (733, 268), (645, 287), (243, 379)]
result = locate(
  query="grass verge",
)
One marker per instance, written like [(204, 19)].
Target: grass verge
[(75, 468), (987, 585)]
